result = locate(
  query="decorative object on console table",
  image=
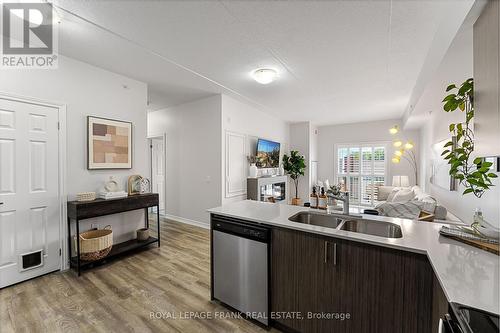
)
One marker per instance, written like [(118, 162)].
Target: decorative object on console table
[(95, 244), (111, 185), (109, 144), (476, 175), (142, 234), (295, 166), (85, 196), (134, 184), (145, 186), (404, 150)]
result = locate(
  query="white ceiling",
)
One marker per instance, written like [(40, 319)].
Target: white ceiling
[(338, 61)]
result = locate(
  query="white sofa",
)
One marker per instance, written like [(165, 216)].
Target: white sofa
[(408, 202)]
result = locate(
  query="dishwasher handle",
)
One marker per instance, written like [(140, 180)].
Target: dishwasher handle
[(244, 230)]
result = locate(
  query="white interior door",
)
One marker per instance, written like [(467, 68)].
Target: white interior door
[(29, 191), (158, 169)]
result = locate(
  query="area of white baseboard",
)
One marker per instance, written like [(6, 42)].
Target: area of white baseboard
[(187, 221)]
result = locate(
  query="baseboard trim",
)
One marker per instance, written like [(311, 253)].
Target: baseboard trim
[(187, 221)]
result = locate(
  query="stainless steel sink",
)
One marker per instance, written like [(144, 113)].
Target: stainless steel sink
[(319, 219), (372, 227), (349, 223)]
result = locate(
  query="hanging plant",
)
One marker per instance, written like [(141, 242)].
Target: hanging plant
[(475, 176)]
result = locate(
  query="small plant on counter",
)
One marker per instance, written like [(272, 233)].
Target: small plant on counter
[(294, 166), (334, 189), (475, 176)]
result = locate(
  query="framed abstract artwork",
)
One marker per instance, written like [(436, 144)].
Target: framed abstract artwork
[(109, 144)]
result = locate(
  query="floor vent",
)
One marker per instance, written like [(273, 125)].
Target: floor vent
[(31, 260)]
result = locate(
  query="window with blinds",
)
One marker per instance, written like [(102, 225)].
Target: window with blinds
[(361, 168)]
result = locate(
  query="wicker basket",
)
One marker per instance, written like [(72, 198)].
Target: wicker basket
[(96, 244)]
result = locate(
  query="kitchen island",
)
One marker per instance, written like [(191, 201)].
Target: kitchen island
[(407, 281)]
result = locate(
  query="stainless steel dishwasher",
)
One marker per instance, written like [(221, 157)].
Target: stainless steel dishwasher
[(240, 266)]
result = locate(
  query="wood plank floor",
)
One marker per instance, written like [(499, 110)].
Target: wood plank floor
[(120, 296)]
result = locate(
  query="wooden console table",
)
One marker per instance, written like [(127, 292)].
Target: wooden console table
[(78, 211)]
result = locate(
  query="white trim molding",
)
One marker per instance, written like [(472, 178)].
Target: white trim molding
[(186, 221), (241, 190)]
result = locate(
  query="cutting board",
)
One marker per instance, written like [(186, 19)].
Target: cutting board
[(493, 248)]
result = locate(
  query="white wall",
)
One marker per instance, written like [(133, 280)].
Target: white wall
[(377, 131), (241, 118), (88, 90), (194, 156), (457, 66), (300, 140)]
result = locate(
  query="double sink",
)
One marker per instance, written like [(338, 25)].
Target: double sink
[(349, 223)]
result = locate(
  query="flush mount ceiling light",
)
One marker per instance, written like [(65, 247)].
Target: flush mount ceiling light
[(264, 75)]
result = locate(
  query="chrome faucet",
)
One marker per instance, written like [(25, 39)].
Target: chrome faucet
[(344, 197)]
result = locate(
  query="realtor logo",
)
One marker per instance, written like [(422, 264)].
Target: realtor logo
[(28, 36)]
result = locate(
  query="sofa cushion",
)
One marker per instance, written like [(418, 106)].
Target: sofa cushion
[(383, 192), (391, 195)]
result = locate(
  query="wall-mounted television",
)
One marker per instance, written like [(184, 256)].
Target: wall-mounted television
[(268, 154)]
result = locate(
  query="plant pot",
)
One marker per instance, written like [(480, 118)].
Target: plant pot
[(253, 171), (142, 234), (296, 201)]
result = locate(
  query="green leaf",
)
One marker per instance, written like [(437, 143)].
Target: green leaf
[(467, 191), (448, 144), (478, 160), (452, 127), (445, 152), (451, 86), (486, 164), (462, 106), (449, 97), (492, 175)]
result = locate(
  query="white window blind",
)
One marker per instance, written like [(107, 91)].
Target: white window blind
[(361, 168)]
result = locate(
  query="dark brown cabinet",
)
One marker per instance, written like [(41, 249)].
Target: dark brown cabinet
[(380, 289)]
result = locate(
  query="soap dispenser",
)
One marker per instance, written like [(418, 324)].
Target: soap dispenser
[(322, 199), (313, 198)]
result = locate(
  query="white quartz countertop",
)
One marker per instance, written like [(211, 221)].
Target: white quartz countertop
[(468, 275)]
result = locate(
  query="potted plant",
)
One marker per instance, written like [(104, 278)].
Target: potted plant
[(474, 174), (294, 166)]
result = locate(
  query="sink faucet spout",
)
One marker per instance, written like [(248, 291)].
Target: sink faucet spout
[(344, 197)]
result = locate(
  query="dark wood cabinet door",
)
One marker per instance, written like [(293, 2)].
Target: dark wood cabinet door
[(300, 272), (380, 289), (383, 290)]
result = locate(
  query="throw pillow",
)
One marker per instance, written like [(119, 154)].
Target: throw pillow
[(403, 196), (391, 195), (383, 192)]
